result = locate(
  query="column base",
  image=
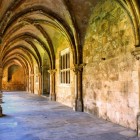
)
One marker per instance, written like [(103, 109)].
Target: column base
[(74, 106), (0, 111), (138, 124), (52, 98), (78, 105)]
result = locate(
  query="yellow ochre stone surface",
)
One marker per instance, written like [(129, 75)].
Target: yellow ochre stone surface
[(110, 78)]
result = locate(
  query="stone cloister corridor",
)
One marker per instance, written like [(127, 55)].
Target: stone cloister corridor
[(62, 55), (30, 117)]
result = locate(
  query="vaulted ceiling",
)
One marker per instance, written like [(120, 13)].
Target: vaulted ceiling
[(30, 28)]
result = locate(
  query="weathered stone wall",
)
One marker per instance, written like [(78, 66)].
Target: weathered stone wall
[(110, 78), (64, 93), (16, 83)]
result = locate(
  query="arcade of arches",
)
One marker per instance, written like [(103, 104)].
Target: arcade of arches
[(81, 53)]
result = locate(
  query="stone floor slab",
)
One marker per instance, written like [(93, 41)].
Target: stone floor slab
[(30, 117)]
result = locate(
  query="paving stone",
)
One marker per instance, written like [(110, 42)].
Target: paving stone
[(30, 117)]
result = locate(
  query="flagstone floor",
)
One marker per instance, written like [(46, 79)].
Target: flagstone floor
[(30, 117)]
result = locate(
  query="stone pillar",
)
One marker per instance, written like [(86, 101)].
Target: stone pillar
[(52, 84), (78, 105), (136, 54), (27, 83), (1, 74), (40, 83), (42, 80), (32, 83)]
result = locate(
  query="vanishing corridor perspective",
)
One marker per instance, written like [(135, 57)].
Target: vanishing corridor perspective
[(84, 54)]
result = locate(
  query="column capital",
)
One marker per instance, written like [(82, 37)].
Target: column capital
[(52, 71), (78, 67), (136, 52)]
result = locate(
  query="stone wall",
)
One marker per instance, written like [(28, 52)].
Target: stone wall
[(110, 78), (17, 81), (64, 93)]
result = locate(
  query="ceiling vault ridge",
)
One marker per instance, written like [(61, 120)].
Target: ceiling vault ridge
[(20, 59), (19, 54), (11, 8), (24, 49), (42, 10), (33, 28)]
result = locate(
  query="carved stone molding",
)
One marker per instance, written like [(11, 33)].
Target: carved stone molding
[(78, 68), (52, 71)]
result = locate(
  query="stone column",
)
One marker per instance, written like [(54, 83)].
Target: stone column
[(52, 84), (27, 83), (42, 80), (1, 74), (78, 105), (40, 83), (136, 54), (32, 83)]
